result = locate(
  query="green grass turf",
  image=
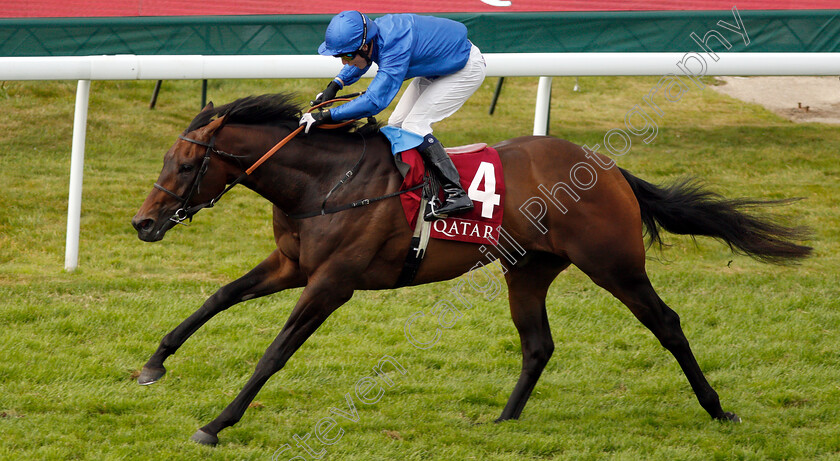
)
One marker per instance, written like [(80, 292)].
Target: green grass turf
[(765, 336)]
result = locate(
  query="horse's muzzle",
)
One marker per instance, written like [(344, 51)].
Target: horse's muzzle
[(150, 230)]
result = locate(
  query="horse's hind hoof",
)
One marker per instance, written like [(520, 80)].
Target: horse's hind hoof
[(204, 438), (150, 375), (729, 416)]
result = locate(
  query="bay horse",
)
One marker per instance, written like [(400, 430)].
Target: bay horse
[(364, 248)]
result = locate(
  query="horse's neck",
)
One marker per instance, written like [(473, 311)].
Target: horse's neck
[(299, 176)]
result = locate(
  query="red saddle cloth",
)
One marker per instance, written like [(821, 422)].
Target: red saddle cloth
[(481, 176)]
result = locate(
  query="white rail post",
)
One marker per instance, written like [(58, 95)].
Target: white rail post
[(77, 164), (542, 107)]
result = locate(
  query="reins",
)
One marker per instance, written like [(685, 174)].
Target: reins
[(186, 213), (291, 135)]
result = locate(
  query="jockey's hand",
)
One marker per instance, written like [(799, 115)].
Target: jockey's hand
[(312, 119), (328, 94)]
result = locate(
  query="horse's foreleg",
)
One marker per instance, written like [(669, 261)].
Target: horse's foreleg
[(528, 284), (274, 274), (320, 299)]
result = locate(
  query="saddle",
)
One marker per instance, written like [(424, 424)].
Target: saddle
[(481, 175), (431, 192)]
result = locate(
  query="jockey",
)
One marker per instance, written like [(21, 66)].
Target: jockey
[(447, 69)]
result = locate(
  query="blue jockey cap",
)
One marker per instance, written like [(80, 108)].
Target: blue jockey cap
[(347, 32)]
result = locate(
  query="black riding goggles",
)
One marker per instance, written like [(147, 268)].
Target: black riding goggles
[(349, 56)]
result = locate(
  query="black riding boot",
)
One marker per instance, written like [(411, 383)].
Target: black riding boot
[(457, 200)]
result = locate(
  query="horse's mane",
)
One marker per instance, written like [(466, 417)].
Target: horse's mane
[(268, 109)]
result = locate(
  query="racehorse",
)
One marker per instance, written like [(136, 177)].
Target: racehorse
[(364, 247)]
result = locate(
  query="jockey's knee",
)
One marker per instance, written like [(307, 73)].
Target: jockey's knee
[(420, 127), (394, 121)]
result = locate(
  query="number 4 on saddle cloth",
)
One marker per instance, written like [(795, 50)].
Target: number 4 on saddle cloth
[(481, 176)]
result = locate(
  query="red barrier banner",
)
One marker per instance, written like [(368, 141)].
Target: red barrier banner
[(134, 8)]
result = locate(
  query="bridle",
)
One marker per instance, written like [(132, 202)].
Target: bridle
[(186, 212)]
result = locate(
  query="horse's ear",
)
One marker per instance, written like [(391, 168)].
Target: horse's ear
[(209, 106), (215, 124)]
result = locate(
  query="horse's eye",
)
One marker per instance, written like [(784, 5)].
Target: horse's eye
[(185, 168)]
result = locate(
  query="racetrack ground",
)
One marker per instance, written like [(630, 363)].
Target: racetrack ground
[(71, 343)]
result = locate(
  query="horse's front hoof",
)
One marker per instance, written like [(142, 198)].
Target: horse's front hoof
[(204, 438), (150, 375), (729, 416)]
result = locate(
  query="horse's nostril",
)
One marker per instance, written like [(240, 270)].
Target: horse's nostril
[(143, 225)]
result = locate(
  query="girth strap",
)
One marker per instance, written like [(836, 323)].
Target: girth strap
[(417, 249), (356, 204)]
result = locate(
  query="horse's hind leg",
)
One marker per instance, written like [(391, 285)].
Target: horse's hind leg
[(633, 288), (528, 284), (274, 274)]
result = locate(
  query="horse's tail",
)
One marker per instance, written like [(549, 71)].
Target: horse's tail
[(686, 208)]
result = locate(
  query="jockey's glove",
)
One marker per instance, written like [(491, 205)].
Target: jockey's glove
[(328, 94), (312, 119)]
